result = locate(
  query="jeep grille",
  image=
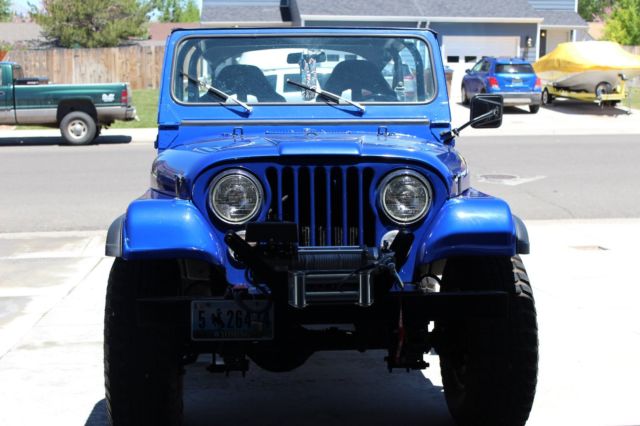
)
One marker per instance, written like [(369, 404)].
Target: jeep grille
[(330, 204)]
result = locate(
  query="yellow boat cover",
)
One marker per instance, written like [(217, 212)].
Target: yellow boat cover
[(583, 56)]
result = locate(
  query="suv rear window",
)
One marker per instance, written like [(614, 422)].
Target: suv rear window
[(514, 69)]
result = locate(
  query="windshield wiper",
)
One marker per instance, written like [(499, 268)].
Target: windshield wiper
[(328, 95), (218, 92)]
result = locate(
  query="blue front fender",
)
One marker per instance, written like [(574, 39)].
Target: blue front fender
[(473, 225), (164, 228)]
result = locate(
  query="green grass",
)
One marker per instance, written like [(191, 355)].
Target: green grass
[(146, 103), (634, 98)]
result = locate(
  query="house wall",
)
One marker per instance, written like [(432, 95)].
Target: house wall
[(491, 29), (553, 4), (557, 36)]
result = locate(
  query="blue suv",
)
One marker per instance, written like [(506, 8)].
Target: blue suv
[(513, 78), (324, 209)]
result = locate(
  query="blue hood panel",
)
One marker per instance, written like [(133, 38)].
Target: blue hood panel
[(193, 158)]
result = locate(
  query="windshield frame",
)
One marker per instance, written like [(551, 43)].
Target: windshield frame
[(429, 56)]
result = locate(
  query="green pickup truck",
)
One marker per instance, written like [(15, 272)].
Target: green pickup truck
[(79, 110)]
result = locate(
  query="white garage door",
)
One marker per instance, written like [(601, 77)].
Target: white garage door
[(461, 52), (457, 49)]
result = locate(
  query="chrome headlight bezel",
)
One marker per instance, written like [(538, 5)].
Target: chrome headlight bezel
[(384, 186), (252, 179)]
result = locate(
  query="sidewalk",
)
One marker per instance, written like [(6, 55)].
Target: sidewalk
[(8, 135), (563, 117), (584, 278)]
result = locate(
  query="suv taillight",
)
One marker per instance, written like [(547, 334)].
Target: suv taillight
[(493, 83), (124, 96), (538, 83)]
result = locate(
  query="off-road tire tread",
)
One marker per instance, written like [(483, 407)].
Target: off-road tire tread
[(142, 370), (503, 371)]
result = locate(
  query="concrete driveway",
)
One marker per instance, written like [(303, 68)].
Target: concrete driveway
[(584, 278), (563, 117)]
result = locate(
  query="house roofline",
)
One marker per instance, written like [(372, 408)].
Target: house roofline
[(491, 19)]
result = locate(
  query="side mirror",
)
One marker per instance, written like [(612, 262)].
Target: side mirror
[(490, 106), (467, 71)]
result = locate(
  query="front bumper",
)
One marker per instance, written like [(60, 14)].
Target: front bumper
[(521, 98)]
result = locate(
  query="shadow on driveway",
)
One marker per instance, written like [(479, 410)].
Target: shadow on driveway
[(566, 106), (333, 388), (57, 140)]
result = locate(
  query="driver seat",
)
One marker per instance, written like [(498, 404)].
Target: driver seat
[(359, 75), (245, 80)]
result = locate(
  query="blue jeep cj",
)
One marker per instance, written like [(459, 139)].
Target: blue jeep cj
[(307, 196)]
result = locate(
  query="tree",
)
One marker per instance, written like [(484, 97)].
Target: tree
[(92, 23), (178, 10), (5, 10), (591, 9), (623, 24)]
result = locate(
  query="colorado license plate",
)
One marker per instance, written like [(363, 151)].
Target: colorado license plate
[(226, 320)]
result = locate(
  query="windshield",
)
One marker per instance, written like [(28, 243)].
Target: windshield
[(514, 69), (257, 70)]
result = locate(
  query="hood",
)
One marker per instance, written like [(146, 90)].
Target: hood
[(190, 159)]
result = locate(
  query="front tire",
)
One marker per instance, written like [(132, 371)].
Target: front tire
[(464, 96), (489, 367), (142, 364), (78, 128)]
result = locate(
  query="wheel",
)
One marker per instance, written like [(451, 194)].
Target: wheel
[(533, 109), (78, 128), (603, 88), (464, 96), (547, 98), (489, 367), (142, 364)]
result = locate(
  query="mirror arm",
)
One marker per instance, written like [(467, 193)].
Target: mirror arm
[(454, 133)]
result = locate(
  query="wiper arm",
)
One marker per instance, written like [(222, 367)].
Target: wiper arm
[(218, 92), (338, 99)]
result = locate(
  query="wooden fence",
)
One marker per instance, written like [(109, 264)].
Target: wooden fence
[(139, 65), (633, 49)]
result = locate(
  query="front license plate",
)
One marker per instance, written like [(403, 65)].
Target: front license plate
[(226, 320)]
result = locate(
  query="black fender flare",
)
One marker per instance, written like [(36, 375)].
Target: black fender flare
[(113, 246), (522, 236)]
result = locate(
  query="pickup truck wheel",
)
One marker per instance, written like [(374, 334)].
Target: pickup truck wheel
[(142, 364), (78, 128), (489, 367), (547, 98)]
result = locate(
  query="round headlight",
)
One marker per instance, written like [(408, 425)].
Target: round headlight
[(235, 196), (405, 196)]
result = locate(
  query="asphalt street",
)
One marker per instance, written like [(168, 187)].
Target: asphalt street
[(59, 188), (578, 195)]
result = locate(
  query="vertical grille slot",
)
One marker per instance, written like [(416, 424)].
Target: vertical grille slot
[(368, 219), (275, 210), (336, 207), (287, 198), (320, 196), (304, 206), (330, 204), (353, 207)]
